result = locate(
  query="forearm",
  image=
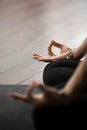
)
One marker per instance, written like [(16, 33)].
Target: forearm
[(81, 50), (77, 81)]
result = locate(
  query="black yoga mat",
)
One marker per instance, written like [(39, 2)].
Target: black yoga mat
[(14, 115), (17, 115)]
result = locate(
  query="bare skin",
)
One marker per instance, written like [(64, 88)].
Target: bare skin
[(52, 57), (47, 97), (63, 48), (78, 53)]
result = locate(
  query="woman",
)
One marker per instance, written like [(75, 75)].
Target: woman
[(70, 90), (65, 80)]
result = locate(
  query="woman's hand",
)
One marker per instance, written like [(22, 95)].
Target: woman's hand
[(64, 51), (47, 97), (62, 47)]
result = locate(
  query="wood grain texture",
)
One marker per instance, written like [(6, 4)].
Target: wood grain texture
[(28, 26)]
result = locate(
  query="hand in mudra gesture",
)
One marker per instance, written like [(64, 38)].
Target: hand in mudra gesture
[(63, 48), (47, 97), (63, 52)]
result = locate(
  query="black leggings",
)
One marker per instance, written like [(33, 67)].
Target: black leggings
[(57, 73)]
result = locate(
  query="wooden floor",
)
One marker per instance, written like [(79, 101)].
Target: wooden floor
[(28, 26)]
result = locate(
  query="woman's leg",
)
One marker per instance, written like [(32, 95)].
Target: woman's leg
[(55, 117), (58, 73), (63, 63)]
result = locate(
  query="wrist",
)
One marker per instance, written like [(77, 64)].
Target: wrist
[(69, 54)]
